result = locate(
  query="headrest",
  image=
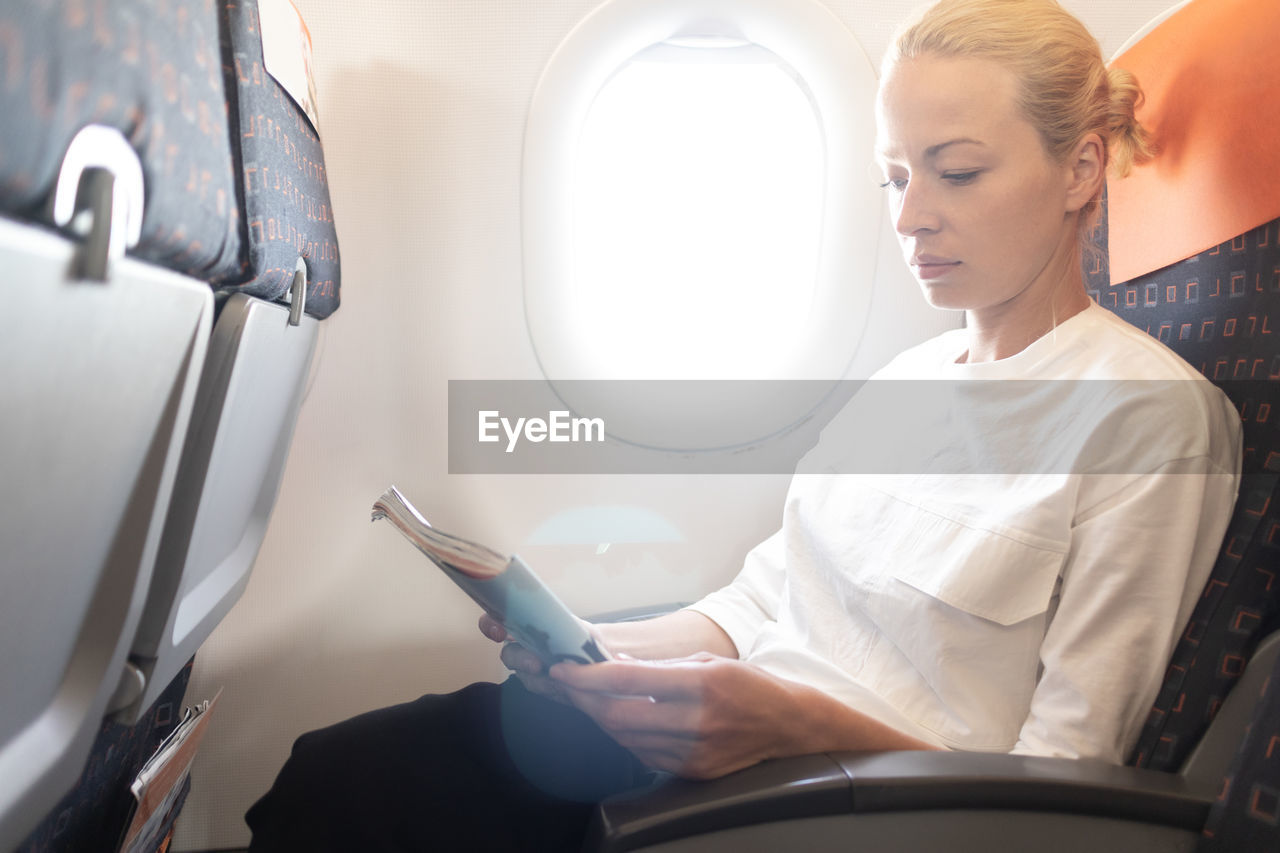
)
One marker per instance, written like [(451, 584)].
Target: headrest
[(1212, 89)]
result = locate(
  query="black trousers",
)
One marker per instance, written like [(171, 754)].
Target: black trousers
[(489, 768)]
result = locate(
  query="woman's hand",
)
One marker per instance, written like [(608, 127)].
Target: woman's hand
[(671, 636), (524, 663), (699, 717), (705, 716)]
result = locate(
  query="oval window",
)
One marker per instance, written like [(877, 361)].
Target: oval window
[(696, 206)]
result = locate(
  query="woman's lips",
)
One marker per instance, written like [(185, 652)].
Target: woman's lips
[(932, 266)]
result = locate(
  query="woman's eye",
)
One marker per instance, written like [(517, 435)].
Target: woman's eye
[(960, 178), (896, 184)]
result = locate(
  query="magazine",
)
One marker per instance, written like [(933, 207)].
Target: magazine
[(503, 585), (161, 787)]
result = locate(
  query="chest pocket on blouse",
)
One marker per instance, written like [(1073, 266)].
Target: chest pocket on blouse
[(986, 574), (969, 612)]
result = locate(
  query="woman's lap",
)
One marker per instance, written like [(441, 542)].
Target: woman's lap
[(489, 767)]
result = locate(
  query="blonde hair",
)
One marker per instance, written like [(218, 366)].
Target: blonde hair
[(1066, 90)]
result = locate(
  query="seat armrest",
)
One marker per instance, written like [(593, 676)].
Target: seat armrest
[(803, 786), (898, 781), (866, 783)]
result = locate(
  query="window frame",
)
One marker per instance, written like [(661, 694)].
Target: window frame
[(842, 84)]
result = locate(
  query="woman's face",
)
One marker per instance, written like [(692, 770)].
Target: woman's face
[(981, 211)]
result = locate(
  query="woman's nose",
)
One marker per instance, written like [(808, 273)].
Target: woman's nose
[(914, 212)]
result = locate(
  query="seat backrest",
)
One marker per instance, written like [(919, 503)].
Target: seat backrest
[(142, 443), (1220, 310), (228, 478), (91, 433), (259, 355), (1218, 307)]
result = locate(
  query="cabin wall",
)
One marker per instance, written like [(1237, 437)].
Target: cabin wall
[(422, 113)]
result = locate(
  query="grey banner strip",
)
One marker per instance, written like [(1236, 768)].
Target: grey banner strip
[(928, 427)]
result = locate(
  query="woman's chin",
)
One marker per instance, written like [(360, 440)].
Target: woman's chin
[(943, 298)]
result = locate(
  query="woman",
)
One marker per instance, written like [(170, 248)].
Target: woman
[(1005, 612)]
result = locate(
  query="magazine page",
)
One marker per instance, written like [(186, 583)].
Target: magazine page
[(466, 556), (162, 785), (504, 587)]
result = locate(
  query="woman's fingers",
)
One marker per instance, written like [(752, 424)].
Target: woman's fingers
[(520, 660), (661, 679), (492, 628), (544, 687), (681, 754), (636, 714), (524, 663), (700, 717)]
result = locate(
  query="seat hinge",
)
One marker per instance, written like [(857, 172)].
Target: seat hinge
[(298, 293), (99, 197)]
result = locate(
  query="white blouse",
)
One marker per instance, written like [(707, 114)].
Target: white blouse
[(999, 566)]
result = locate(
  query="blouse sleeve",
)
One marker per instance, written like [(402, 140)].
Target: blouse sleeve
[(1138, 560), (744, 606)]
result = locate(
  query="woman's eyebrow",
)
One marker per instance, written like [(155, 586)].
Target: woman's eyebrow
[(933, 150), (887, 155)]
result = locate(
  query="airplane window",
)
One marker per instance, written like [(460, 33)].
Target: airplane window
[(697, 206)]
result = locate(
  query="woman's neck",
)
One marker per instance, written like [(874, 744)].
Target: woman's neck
[(1005, 330)]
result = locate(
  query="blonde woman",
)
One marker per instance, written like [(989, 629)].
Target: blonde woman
[(997, 613)]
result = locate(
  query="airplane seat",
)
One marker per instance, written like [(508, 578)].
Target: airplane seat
[(93, 814), (167, 251), (1203, 277), (1216, 309)]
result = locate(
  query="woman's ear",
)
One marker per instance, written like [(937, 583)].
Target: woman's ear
[(1087, 172)]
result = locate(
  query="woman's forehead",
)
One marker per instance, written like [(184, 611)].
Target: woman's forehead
[(928, 105)]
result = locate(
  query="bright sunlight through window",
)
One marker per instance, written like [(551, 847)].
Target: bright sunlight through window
[(697, 205)]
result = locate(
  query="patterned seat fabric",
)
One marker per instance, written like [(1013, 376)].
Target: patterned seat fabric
[(94, 814), (281, 178), (235, 182), (151, 71), (1220, 310)]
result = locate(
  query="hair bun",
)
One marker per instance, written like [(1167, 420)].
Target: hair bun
[(1128, 141)]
